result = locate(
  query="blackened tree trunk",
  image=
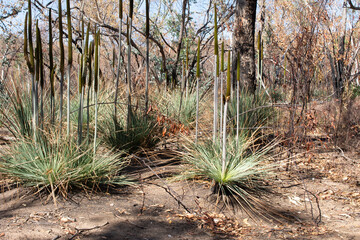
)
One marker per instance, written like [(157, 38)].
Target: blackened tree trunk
[(244, 42)]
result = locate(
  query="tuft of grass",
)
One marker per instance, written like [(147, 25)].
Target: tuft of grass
[(242, 184), (171, 106), (142, 132), (57, 165), (255, 111), (18, 114)]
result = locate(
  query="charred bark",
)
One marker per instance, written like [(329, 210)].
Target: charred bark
[(244, 42)]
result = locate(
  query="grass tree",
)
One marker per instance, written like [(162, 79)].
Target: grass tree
[(197, 89), (62, 63), (70, 60), (227, 99), (119, 60), (96, 81), (129, 28), (52, 72), (216, 74), (147, 33)]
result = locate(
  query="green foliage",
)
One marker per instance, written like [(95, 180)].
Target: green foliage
[(171, 104), (277, 95), (355, 91), (242, 182), (255, 111), (142, 132), (17, 117), (59, 164)]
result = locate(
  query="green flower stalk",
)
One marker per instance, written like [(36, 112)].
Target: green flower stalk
[(62, 62), (197, 89), (113, 59), (129, 114), (26, 53), (52, 71), (260, 62), (227, 99), (222, 69), (182, 87), (187, 69), (89, 83), (42, 81), (52, 87), (37, 72), (228, 79), (70, 61), (29, 57), (216, 74), (147, 34), (96, 81), (82, 83), (237, 98), (119, 60)]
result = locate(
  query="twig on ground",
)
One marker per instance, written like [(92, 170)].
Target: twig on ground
[(171, 192), (343, 155), (81, 230)]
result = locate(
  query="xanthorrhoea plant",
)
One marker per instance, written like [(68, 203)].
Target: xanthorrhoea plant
[(197, 90), (96, 81), (62, 62), (237, 97), (147, 33), (216, 74), (52, 71), (130, 17), (70, 60), (227, 99), (119, 60)]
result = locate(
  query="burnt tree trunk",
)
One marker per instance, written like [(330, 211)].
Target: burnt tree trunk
[(244, 43)]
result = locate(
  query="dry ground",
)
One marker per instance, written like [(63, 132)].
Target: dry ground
[(321, 192)]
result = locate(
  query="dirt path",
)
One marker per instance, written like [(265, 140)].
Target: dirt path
[(148, 211)]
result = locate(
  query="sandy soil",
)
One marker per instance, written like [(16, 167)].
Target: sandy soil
[(321, 192)]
